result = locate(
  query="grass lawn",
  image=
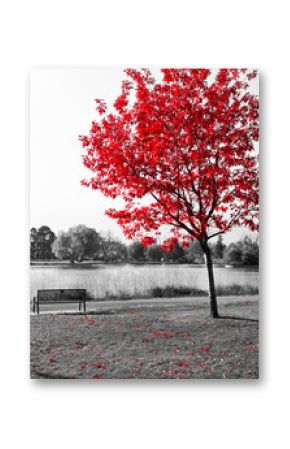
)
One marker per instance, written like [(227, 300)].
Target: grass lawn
[(143, 339)]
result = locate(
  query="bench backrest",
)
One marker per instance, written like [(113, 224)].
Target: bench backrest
[(59, 294)]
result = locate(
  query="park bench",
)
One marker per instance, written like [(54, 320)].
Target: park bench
[(60, 296)]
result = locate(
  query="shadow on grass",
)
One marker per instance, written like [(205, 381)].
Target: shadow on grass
[(39, 375), (229, 317)]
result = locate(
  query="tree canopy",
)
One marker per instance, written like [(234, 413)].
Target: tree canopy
[(188, 143), (78, 243), (41, 241)]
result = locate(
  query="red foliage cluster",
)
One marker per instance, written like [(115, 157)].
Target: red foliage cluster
[(186, 142)]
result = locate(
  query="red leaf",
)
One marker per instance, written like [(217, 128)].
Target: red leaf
[(163, 334), (184, 364), (204, 349)]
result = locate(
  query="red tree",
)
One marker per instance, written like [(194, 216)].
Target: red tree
[(186, 142)]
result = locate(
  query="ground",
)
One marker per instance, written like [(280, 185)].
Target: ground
[(148, 339)]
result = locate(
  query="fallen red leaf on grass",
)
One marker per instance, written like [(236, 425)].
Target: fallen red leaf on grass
[(163, 334), (204, 349), (184, 364), (51, 360), (250, 348), (146, 340)]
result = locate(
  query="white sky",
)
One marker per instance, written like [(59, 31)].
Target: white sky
[(62, 107)]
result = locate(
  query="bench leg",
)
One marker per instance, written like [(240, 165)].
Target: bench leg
[(80, 306), (84, 306), (37, 305), (33, 307)]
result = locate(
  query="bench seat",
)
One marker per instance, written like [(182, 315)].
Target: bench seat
[(60, 296)]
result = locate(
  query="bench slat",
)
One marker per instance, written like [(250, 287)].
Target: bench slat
[(60, 301), (59, 294)]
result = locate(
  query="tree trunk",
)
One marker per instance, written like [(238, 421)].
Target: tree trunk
[(213, 307)]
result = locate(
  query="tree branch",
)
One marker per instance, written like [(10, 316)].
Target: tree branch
[(181, 225)]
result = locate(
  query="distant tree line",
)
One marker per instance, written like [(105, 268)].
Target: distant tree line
[(41, 241), (243, 252), (81, 243)]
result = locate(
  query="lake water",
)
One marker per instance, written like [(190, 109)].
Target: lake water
[(111, 279)]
